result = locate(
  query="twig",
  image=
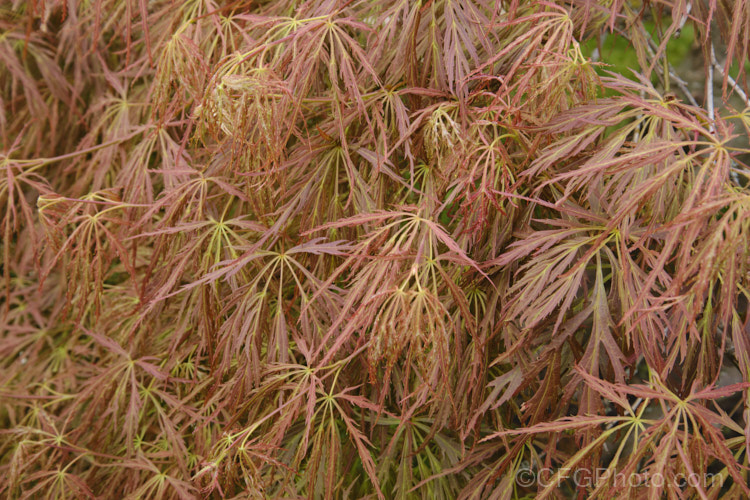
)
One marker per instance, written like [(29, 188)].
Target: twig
[(595, 55), (710, 93), (684, 18), (732, 82), (682, 84)]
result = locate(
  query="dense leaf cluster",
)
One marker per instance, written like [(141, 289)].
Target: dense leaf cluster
[(392, 249)]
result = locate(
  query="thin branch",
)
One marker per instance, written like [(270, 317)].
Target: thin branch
[(710, 93), (681, 84), (732, 82)]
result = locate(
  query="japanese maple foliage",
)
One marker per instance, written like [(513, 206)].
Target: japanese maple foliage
[(372, 249)]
